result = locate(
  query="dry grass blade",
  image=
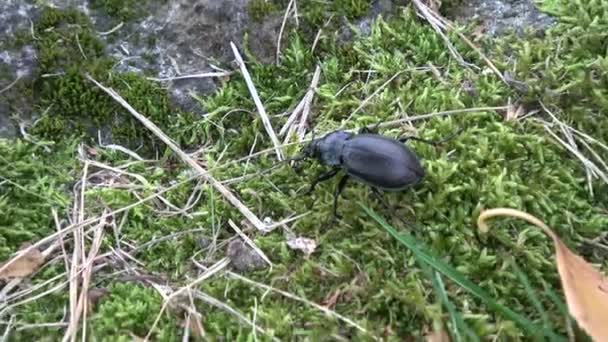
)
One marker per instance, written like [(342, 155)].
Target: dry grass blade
[(440, 25), (321, 308), (95, 220), (258, 102), (287, 11), (7, 332), (10, 85), (228, 195), (306, 99), (208, 273), (376, 92), (399, 122), (221, 305), (191, 76), (572, 137), (308, 102), (86, 276), (218, 266), (294, 115), (77, 256), (112, 30)]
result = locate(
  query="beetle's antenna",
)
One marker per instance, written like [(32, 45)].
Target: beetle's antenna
[(434, 143)]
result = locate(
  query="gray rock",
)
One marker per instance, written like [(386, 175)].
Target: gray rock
[(243, 258), (503, 16)]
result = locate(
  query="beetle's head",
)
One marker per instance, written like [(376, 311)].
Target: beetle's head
[(311, 150)]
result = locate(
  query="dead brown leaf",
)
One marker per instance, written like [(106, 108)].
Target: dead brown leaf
[(585, 288), (23, 266)]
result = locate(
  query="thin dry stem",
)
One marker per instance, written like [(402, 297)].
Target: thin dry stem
[(208, 273), (299, 299), (293, 116), (287, 11), (377, 91), (439, 25), (7, 332), (258, 102), (118, 148), (191, 76), (112, 30), (186, 158), (10, 85), (77, 258), (227, 308), (308, 102), (399, 122)]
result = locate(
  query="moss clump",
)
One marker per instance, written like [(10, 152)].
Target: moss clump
[(124, 10), (569, 72), (359, 269), (259, 9), (32, 182), (68, 50), (492, 164), (130, 309)]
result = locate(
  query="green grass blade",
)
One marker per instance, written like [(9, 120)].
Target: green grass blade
[(450, 272), (533, 298), (457, 321)]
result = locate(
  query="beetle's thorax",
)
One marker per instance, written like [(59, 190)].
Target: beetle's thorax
[(329, 148)]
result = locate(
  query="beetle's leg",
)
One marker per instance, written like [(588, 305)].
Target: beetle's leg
[(321, 178), (390, 208), (337, 194)]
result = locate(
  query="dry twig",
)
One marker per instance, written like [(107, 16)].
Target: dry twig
[(10, 85), (377, 91), (399, 122), (287, 11), (186, 158), (258, 102), (185, 77)]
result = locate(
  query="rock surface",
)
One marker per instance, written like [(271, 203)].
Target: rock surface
[(502, 16), (182, 37)]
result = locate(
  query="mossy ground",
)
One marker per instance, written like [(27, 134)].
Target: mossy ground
[(376, 280)]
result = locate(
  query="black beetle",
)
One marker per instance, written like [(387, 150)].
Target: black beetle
[(379, 161)]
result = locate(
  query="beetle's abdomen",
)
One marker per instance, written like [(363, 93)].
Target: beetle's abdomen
[(381, 162)]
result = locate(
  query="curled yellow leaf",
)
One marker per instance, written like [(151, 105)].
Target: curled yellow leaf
[(585, 288)]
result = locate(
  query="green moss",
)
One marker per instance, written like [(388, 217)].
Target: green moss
[(68, 49), (131, 309), (32, 182), (380, 285), (124, 10), (259, 9)]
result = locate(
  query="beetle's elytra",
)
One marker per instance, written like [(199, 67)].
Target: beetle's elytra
[(373, 159)]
